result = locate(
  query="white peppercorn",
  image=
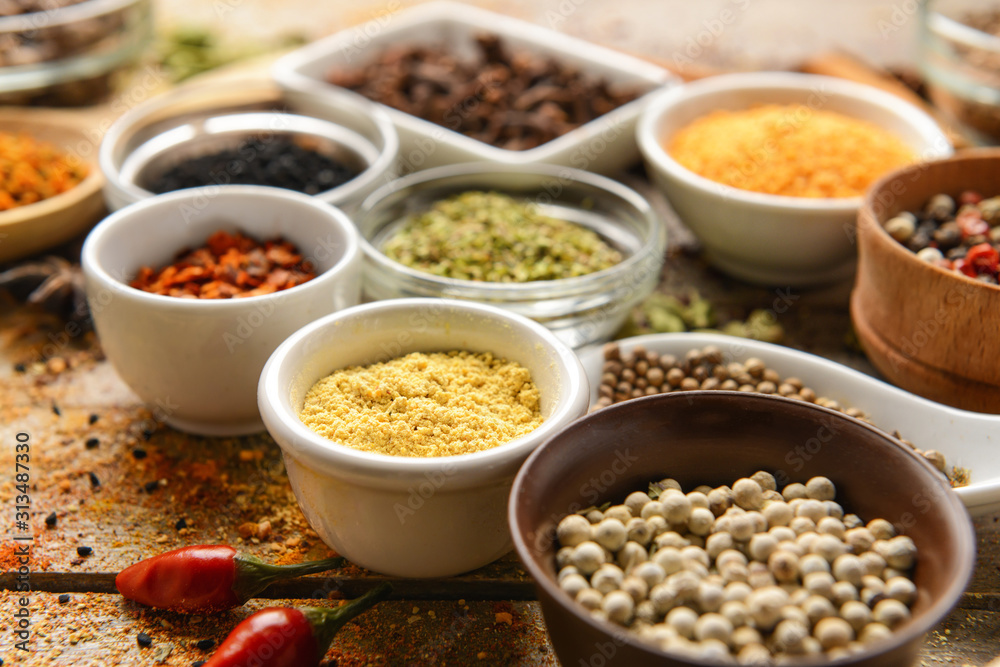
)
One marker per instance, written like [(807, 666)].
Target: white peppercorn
[(765, 480), (669, 558), (849, 568), (620, 512), (716, 543), (663, 598), (817, 607), (589, 599), (819, 583), (587, 557), (856, 613), (881, 529), (714, 651), (657, 525), (573, 584), (834, 509), (713, 626), (833, 632), (900, 553), (765, 606), (619, 607), (650, 572), (698, 499), (735, 612), (742, 528), (831, 526), (789, 635), (564, 557), (782, 534), (676, 508), (682, 620), (891, 572), (736, 591), (874, 632), (820, 488), (778, 513), (607, 578), (813, 563), (610, 534), (572, 530), (811, 509), (743, 636), (594, 516), (710, 596), (762, 545), (754, 654), (748, 494), (793, 612), (844, 591), (770, 496), (902, 589), (890, 612), (719, 500), (630, 555), (638, 530), (646, 612), (636, 500), (828, 546), (652, 508), (853, 521), (701, 520), (802, 524), (784, 565), (874, 564), (669, 483), (565, 572), (793, 491), (684, 584)]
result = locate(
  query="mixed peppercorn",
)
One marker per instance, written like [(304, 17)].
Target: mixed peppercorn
[(739, 574), (960, 234)]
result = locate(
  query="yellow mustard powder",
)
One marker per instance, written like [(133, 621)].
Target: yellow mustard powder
[(424, 405), (788, 150)]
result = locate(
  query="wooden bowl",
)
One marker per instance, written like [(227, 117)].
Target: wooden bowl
[(716, 437), (29, 229), (928, 330)]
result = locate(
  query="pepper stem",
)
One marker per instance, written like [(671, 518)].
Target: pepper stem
[(253, 576), (327, 621)]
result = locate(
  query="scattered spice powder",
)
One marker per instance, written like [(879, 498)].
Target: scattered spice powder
[(229, 266), (31, 170), (492, 237), (788, 150), (425, 405)]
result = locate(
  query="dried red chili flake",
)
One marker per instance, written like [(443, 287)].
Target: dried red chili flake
[(229, 266)]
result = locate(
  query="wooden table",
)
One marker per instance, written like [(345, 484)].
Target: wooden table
[(128, 487)]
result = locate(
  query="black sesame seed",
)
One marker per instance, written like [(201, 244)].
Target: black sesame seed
[(152, 486), (205, 644), (56, 410), (138, 453), (51, 519), (181, 523), (84, 551), (93, 419), (94, 481), (64, 598), (197, 663), (147, 433), (144, 640), (91, 443), (20, 368)]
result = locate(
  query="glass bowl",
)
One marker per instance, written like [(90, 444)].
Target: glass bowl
[(579, 310), (67, 56), (961, 65)]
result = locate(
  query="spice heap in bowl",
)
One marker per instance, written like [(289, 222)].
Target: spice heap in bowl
[(925, 303), (250, 134), (768, 169), (569, 249), (403, 422), (677, 530), (464, 84), (192, 291)]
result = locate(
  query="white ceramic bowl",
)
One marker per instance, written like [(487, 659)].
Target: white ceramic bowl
[(763, 238), (410, 517), (967, 439), (196, 362), (198, 118), (603, 145)]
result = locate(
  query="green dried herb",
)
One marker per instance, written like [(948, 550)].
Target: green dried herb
[(492, 237)]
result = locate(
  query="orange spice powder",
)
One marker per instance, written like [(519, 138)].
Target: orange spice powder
[(788, 150), (31, 171)]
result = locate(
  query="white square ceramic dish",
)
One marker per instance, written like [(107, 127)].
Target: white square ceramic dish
[(602, 145)]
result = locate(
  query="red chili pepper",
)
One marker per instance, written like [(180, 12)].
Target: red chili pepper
[(983, 257), (971, 223), (204, 578), (965, 267), (969, 197), (285, 637)]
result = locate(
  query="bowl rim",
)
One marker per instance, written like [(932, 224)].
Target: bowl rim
[(868, 216), (946, 27), (287, 72), (280, 415), (263, 91), (93, 268), (916, 628), (648, 139), (63, 15), (654, 242)]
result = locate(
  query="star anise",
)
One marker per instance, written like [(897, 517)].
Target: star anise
[(52, 283)]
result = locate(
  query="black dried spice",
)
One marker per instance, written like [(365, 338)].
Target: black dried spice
[(514, 100)]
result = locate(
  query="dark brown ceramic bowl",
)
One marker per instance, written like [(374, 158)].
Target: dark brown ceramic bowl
[(716, 437)]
